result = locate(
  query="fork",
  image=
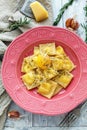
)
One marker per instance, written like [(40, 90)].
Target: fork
[(72, 116)]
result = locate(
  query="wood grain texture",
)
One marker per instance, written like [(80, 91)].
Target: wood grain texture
[(50, 128), (38, 122)]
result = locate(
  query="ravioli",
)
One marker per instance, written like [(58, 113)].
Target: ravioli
[(48, 69), (68, 64), (60, 51), (42, 61), (48, 48), (29, 79), (28, 64), (58, 89), (36, 50), (64, 78), (49, 73), (58, 63), (47, 89)]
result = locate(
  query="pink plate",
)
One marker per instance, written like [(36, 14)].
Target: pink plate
[(22, 46)]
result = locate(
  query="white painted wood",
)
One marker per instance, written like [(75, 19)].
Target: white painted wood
[(75, 10), (40, 122), (22, 122), (50, 128), (56, 7), (55, 120)]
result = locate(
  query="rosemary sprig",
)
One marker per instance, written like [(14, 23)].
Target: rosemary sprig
[(85, 9), (61, 12), (84, 25), (20, 23), (85, 28)]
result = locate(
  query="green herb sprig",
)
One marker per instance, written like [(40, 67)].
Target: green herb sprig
[(85, 9), (61, 12), (85, 24), (20, 23), (85, 29)]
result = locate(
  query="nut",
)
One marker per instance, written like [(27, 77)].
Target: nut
[(69, 28), (72, 23), (13, 114), (68, 22)]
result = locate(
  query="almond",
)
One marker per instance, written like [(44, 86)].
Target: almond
[(13, 114)]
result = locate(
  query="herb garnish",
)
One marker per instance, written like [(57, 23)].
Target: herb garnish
[(62, 10), (85, 24), (20, 23), (85, 28)]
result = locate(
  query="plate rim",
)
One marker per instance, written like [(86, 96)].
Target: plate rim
[(18, 89)]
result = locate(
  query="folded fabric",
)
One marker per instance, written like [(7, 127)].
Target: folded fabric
[(8, 9), (3, 47), (3, 118)]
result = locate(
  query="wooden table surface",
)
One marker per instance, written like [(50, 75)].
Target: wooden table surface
[(38, 122)]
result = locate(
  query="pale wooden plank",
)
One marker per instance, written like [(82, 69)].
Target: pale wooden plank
[(82, 120), (47, 121), (55, 120), (57, 6), (48, 128), (22, 122), (75, 9), (39, 120), (29, 118)]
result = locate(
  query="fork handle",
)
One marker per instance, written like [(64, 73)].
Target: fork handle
[(80, 105)]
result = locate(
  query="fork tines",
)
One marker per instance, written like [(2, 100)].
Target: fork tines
[(69, 118)]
